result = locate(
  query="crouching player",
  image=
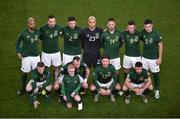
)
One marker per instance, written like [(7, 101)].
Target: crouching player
[(40, 83), (70, 85), (138, 80), (105, 80), (81, 69)]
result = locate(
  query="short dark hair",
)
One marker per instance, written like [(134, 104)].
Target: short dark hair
[(51, 16), (76, 58), (111, 19), (71, 18), (138, 64), (104, 57), (147, 21), (131, 22), (40, 64)]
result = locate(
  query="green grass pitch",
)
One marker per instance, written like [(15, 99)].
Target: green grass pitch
[(166, 18)]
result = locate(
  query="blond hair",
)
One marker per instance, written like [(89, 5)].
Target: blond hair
[(92, 17), (30, 19)]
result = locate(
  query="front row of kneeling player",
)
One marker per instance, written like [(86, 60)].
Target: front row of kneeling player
[(73, 81)]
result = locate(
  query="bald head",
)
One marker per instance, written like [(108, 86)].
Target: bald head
[(31, 23), (92, 22)]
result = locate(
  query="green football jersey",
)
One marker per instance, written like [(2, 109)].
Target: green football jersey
[(104, 75), (111, 43), (72, 42), (49, 38), (81, 71), (27, 43), (37, 77), (150, 44), (71, 84), (132, 43), (138, 78)]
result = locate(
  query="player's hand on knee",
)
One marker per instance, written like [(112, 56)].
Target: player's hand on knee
[(103, 91), (56, 85), (141, 90), (36, 104), (108, 91), (85, 85), (138, 91)]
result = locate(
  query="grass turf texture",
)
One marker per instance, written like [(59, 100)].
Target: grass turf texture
[(166, 18)]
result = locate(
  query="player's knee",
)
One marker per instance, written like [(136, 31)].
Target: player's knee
[(36, 90), (117, 86), (150, 87), (77, 98), (92, 87), (124, 88), (56, 86), (85, 85), (65, 98), (29, 88)]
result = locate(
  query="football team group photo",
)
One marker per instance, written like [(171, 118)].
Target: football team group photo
[(89, 59), (71, 68)]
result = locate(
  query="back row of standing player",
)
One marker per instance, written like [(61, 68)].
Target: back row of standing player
[(89, 40)]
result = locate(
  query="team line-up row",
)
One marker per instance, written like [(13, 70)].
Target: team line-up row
[(81, 51)]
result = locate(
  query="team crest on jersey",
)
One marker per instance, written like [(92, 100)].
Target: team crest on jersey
[(47, 32), (141, 78), (55, 33), (28, 36), (75, 81), (43, 78), (97, 35), (127, 36), (75, 36)]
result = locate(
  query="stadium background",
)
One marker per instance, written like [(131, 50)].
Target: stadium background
[(166, 18)]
